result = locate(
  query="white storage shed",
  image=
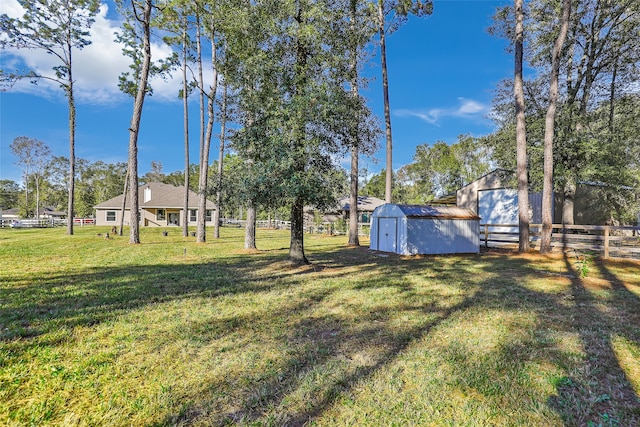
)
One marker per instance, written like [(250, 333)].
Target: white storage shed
[(423, 229)]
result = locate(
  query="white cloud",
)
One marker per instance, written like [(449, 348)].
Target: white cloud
[(466, 108), (96, 67), (469, 106)]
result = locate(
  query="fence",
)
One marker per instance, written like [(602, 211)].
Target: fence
[(82, 221), (311, 227), (44, 223), (606, 241), (29, 223)]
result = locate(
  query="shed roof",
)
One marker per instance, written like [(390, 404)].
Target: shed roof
[(443, 212)]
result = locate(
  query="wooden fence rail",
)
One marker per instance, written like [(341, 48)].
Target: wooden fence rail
[(604, 240)]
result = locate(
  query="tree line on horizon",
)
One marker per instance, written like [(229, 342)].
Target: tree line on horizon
[(287, 76)]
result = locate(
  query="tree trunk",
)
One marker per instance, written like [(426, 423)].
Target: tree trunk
[(547, 188), (353, 200), (134, 129), (387, 112), (124, 201), (521, 136), (612, 97), (72, 152), (296, 246), (250, 227), (355, 143), (201, 93), (204, 153), (185, 106), (26, 192), (223, 125)]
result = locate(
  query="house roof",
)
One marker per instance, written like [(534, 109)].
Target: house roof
[(10, 212), (442, 212), (365, 203), (162, 196), (51, 211)]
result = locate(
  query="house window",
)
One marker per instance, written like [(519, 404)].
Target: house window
[(207, 218), (111, 216), (192, 215), (160, 215)]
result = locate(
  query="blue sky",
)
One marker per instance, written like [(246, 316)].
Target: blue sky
[(443, 70)]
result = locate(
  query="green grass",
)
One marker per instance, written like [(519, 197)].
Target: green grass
[(97, 332)]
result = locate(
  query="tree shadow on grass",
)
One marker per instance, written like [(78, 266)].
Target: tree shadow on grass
[(34, 304), (351, 351), (327, 354), (602, 394)]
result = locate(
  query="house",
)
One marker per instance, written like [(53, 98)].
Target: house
[(424, 229), (161, 205), (49, 212), (366, 206), (12, 214)]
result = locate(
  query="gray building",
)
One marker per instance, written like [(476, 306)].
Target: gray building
[(423, 229)]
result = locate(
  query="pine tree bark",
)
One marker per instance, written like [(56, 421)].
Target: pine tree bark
[(223, 130), (185, 108), (124, 202), (204, 151), (387, 111), (521, 134), (355, 146), (547, 188), (134, 129), (72, 151)]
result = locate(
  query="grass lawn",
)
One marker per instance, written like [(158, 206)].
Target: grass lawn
[(97, 332)]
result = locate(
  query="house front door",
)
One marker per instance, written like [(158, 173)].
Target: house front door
[(174, 218)]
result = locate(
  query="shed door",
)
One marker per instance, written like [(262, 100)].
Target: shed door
[(387, 234)]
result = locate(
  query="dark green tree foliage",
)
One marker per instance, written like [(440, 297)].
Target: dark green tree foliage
[(441, 169), (95, 183), (132, 38), (290, 77), (375, 186), (9, 194), (33, 155)]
